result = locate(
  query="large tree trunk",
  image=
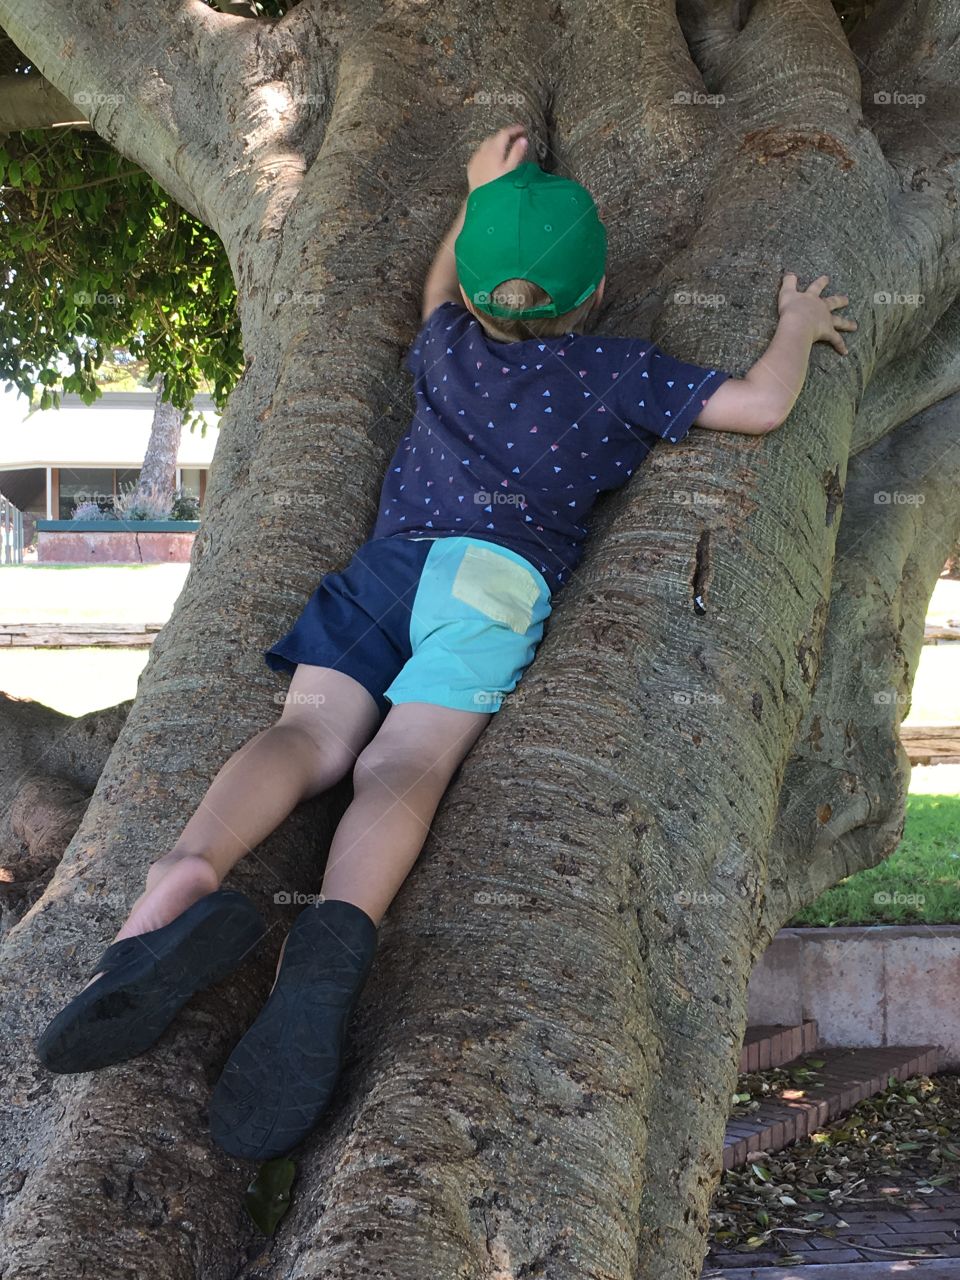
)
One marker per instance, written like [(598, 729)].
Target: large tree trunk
[(546, 1050)]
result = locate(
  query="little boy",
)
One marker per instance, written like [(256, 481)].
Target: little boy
[(399, 659)]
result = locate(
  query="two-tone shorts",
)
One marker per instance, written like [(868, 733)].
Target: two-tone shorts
[(452, 621)]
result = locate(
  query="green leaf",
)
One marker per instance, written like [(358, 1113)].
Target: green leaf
[(267, 1198), (760, 1172)]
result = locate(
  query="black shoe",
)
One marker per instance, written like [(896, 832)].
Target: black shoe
[(146, 980), (280, 1077)]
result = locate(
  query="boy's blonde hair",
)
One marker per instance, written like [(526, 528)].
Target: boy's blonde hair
[(521, 294)]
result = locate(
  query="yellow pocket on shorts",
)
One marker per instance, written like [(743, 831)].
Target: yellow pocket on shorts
[(498, 587)]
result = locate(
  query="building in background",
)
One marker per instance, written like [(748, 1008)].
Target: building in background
[(50, 459)]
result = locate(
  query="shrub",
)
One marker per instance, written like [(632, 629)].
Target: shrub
[(87, 511), (185, 506), (152, 505)]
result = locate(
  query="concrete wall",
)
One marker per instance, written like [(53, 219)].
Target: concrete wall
[(865, 986)]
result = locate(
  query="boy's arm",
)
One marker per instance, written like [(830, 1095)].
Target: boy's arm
[(495, 156), (762, 399), (442, 284)]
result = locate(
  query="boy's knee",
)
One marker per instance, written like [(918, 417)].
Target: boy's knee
[(396, 767), (329, 758)]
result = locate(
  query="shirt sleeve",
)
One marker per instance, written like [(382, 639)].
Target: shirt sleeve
[(660, 393), (424, 344)]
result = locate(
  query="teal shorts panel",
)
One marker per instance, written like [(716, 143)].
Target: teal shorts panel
[(477, 618)]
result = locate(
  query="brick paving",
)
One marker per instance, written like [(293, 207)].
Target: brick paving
[(889, 1235), (921, 1269)]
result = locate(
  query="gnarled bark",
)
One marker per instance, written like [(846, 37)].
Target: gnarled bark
[(545, 1051), (48, 768)]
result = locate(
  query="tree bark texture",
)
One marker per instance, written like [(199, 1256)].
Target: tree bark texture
[(158, 475), (544, 1055)]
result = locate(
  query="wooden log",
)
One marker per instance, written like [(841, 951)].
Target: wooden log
[(935, 632), (931, 744), (65, 635)]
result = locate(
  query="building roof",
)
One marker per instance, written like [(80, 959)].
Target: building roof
[(111, 432)]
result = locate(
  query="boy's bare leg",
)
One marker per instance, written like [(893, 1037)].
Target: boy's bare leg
[(327, 718), (398, 782)]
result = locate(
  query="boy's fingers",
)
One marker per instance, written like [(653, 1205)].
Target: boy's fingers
[(790, 280), (844, 322), (818, 285), (836, 300), (839, 343)]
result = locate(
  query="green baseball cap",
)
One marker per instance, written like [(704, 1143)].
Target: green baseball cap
[(531, 225)]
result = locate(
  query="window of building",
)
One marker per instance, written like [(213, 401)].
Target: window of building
[(127, 478), (190, 481), (93, 484), (85, 484)]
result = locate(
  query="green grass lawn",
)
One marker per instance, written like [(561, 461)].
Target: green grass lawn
[(919, 882)]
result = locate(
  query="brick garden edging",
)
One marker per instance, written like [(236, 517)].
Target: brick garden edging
[(847, 1077), (765, 1047), (873, 985)]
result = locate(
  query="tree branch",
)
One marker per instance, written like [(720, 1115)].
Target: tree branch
[(802, 49), (910, 56), (137, 72), (31, 102), (842, 802), (48, 769), (908, 383), (38, 739), (709, 28)]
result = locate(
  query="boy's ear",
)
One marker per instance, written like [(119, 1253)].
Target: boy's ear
[(466, 301)]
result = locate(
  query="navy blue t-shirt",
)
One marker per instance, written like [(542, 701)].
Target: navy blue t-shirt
[(513, 441)]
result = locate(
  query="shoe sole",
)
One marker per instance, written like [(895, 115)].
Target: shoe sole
[(282, 1074), (126, 1010)]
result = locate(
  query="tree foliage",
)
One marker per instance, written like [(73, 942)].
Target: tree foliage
[(95, 255)]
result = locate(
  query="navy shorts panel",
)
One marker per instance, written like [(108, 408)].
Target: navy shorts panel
[(358, 619)]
